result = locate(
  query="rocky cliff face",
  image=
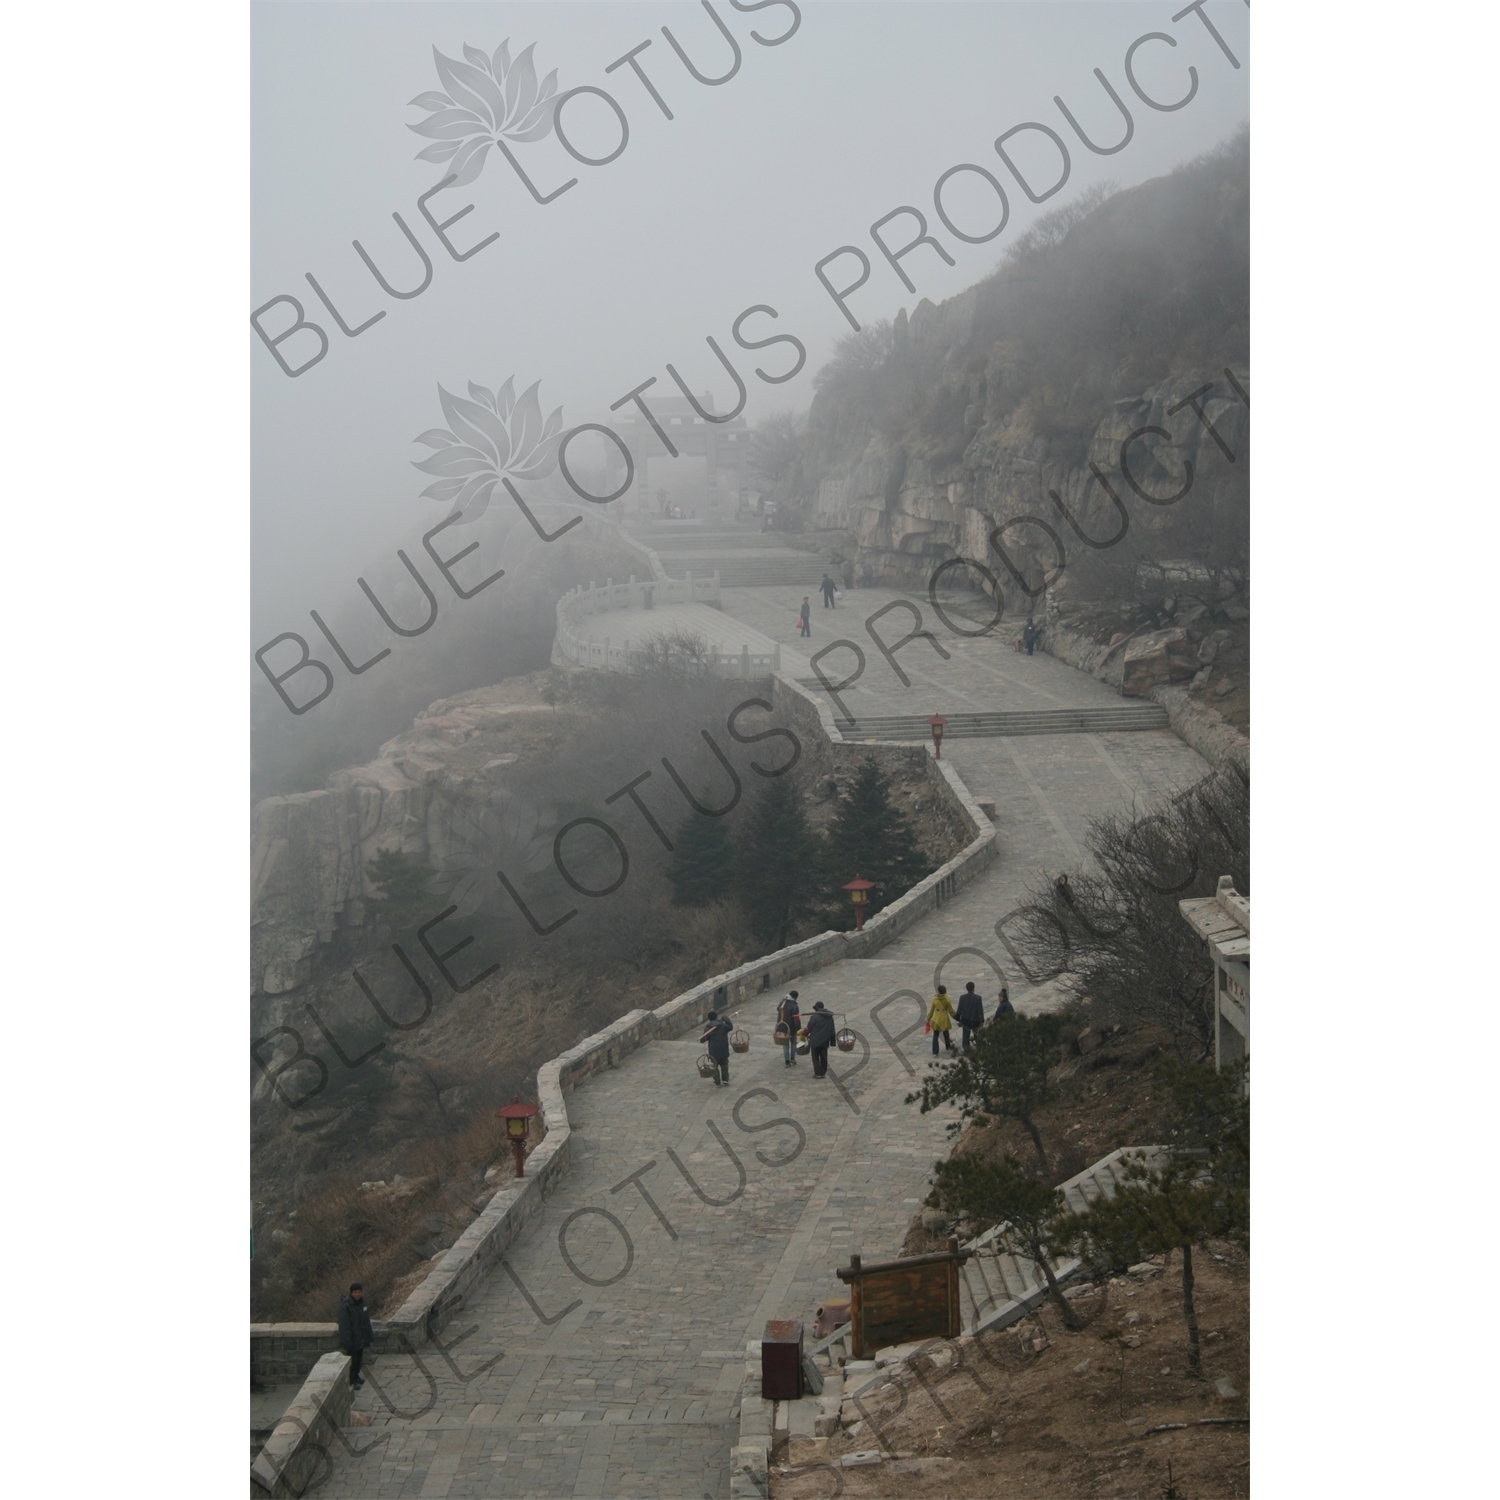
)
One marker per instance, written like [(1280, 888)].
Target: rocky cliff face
[(422, 795), (1028, 382)]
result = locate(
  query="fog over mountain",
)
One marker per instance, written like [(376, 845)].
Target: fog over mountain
[(728, 205)]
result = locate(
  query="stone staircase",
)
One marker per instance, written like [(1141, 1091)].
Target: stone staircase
[(744, 556), (1103, 720), (998, 1285)]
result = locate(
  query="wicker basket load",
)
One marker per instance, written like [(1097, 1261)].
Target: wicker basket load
[(739, 1040), (803, 1045), (781, 1034), (845, 1040), (705, 1066)]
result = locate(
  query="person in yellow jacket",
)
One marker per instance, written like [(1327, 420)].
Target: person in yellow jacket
[(940, 1019)]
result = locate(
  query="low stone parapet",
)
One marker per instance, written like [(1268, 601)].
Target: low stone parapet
[(298, 1451), (283, 1352), (479, 1248)]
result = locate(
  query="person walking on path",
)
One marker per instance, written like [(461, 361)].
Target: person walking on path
[(828, 586), (848, 575), (970, 1012), (355, 1333), (1004, 1007), (717, 1038), (806, 618), (1030, 636), (820, 1030), (940, 1019), (789, 1015)]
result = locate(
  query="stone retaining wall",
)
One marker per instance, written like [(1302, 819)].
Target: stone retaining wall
[(283, 1352), (1197, 725), (301, 1443), (475, 1253)]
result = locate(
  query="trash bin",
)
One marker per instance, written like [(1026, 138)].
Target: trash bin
[(781, 1362)]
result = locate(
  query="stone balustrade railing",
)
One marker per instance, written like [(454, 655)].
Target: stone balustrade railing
[(624, 653)]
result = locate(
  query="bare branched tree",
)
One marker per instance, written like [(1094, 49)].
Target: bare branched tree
[(1052, 227), (776, 447), (679, 652), (858, 354), (1115, 932)]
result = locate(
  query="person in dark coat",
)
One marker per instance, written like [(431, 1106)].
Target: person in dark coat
[(828, 586), (717, 1038), (970, 1013), (355, 1333), (1004, 1008), (806, 617), (789, 1014), (848, 574), (1030, 635), (820, 1030)]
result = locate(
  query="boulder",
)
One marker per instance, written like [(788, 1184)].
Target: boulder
[(1160, 657), (1211, 644), (808, 1450)]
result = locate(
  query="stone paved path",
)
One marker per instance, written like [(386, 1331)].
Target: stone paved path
[(606, 1362)]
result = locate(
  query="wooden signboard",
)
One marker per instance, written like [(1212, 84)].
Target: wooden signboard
[(901, 1301)]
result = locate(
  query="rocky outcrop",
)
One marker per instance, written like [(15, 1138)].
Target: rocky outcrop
[(1148, 661), (975, 414), (1193, 722), (422, 795)]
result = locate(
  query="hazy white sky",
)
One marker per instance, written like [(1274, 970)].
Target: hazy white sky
[(729, 204)]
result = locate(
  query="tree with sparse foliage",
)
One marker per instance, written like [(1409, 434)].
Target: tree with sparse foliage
[(1115, 930), (1203, 1191), (1005, 1192), (1002, 1076), (780, 867), (870, 837), (776, 447), (405, 902), (699, 868)]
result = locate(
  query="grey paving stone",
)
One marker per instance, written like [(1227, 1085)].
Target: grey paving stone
[(618, 1397)]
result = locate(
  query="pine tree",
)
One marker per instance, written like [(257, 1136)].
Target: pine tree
[(780, 868), (405, 901), (1005, 1192), (699, 868), (870, 837), (1003, 1075), (1201, 1194)]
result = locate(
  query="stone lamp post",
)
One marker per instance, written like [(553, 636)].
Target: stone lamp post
[(859, 894), (517, 1117), (937, 723)]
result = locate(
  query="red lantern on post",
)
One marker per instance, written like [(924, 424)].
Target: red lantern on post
[(858, 889), (936, 723), (517, 1117)]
